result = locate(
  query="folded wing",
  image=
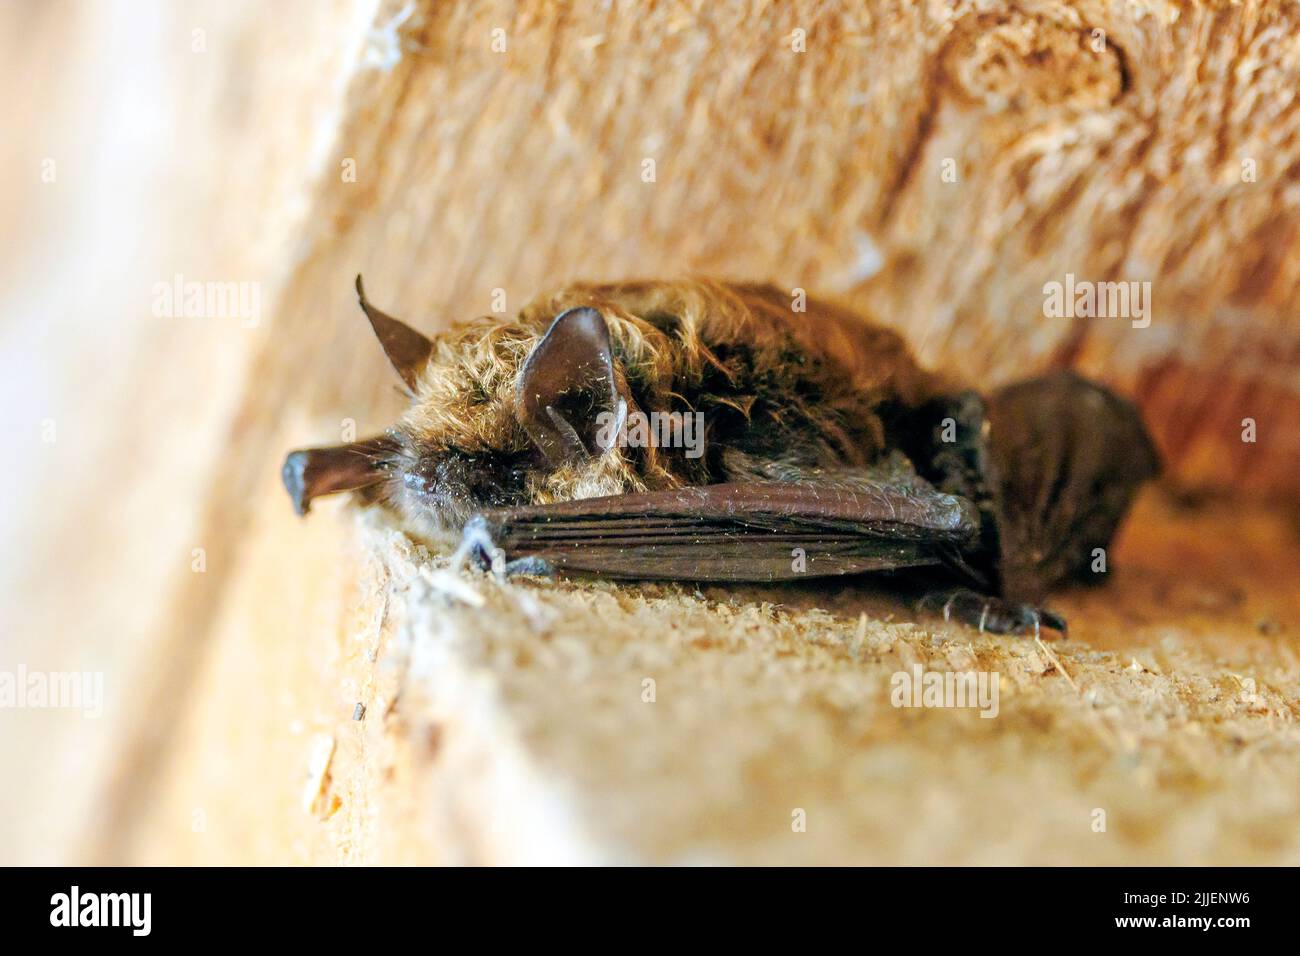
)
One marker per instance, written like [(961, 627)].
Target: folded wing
[(762, 531)]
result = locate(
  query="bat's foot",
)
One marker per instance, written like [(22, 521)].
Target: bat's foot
[(993, 614), (477, 549), (531, 566)]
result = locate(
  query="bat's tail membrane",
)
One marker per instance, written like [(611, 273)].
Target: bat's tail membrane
[(1064, 459)]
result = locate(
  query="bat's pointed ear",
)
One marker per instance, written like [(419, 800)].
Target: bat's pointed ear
[(406, 348), (566, 384)]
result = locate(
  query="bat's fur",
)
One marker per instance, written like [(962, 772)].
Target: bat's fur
[(783, 393)]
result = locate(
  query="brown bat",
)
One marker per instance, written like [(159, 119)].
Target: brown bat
[(709, 431)]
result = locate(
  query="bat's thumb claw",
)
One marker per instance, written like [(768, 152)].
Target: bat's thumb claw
[(476, 546)]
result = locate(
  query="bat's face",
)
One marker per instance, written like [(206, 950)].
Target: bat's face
[(437, 486), (460, 446), (502, 414)]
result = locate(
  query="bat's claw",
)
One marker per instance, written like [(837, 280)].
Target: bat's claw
[(477, 549), (993, 615)]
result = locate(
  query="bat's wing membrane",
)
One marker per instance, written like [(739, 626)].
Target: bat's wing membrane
[(761, 531)]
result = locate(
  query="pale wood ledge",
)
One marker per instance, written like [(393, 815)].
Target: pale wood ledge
[(515, 730)]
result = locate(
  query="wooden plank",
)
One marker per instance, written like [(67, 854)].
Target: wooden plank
[(479, 169)]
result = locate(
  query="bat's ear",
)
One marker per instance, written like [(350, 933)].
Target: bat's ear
[(406, 348), (566, 384)]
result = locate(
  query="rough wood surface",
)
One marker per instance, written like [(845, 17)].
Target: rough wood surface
[(232, 691), (1172, 710), (510, 724)]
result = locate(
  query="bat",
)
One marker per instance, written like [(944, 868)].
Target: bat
[(710, 431)]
